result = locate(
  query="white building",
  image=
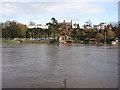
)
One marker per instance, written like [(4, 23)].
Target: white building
[(96, 27), (38, 26), (87, 26), (102, 25)]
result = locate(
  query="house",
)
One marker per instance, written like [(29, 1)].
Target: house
[(96, 27), (87, 26), (102, 25), (65, 25), (38, 26), (42, 26)]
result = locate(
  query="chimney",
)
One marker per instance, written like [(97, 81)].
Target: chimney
[(71, 23), (64, 21)]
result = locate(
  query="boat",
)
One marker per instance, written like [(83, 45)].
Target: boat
[(70, 41)]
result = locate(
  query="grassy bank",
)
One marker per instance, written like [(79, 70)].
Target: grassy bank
[(23, 41), (35, 41), (42, 41), (5, 41)]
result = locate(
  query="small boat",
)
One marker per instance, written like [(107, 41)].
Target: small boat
[(53, 41), (70, 41), (114, 43)]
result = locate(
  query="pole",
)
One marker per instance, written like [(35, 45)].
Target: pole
[(105, 36), (65, 83), (105, 32)]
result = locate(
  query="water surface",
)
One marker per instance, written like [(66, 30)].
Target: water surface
[(47, 65)]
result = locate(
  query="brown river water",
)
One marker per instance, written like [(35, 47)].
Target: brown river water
[(47, 65)]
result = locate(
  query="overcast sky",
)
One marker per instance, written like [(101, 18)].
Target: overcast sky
[(41, 11)]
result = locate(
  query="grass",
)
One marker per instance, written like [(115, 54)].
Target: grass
[(41, 41), (100, 44), (35, 41), (5, 41), (24, 41)]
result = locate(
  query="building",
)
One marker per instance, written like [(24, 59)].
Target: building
[(102, 26), (87, 26), (96, 27), (65, 25), (38, 26)]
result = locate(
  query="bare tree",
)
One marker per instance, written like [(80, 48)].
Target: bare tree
[(31, 23)]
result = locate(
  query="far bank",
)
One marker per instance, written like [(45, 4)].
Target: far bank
[(54, 41)]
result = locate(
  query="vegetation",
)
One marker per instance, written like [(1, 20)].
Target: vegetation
[(13, 29), (5, 41)]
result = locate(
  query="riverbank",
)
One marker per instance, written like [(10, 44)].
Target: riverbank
[(23, 41), (45, 41)]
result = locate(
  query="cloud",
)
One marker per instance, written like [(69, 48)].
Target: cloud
[(41, 11), (8, 9), (119, 11), (81, 7), (59, 0), (20, 9)]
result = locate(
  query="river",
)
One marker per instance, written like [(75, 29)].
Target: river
[(47, 65)]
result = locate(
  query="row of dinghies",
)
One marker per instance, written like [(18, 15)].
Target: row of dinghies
[(68, 39)]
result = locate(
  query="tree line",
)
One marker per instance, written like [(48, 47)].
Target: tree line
[(13, 29)]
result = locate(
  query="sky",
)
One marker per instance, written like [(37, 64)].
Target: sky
[(41, 11)]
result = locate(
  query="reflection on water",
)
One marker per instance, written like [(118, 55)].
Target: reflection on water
[(47, 65)]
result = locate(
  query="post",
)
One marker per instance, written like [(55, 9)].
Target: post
[(65, 83), (105, 36), (105, 32)]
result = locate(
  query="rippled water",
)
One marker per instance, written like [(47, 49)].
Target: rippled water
[(47, 65)]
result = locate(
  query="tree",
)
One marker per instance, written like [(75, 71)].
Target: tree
[(113, 24), (53, 27), (14, 30), (23, 29), (32, 24), (100, 37), (110, 34), (54, 21), (75, 25), (89, 23), (78, 26)]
